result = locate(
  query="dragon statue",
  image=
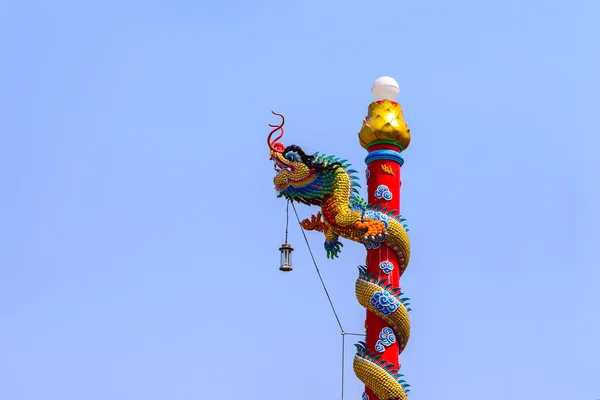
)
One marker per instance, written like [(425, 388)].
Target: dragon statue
[(328, 183)]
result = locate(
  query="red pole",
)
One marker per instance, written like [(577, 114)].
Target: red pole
[(385, 135), (383, 175)]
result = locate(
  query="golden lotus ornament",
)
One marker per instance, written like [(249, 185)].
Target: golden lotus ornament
[(384, 124)]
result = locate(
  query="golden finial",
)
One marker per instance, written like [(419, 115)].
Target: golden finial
[(384, 122)]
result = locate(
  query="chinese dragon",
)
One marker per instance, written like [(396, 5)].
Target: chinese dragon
[(329, 183)]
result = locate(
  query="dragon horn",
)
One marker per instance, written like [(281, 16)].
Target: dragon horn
[(277, 127)]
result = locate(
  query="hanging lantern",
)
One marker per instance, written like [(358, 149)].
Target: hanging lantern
[(285, 264), (286, 257)]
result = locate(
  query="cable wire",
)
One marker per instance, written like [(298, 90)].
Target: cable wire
[(343, 353), (324, 288), (318, 271)]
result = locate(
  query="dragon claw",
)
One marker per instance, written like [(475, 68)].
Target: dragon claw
[(374, 231), (333, 248), (379, 238)]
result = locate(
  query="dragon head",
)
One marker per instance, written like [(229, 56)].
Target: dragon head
[(300, 177)]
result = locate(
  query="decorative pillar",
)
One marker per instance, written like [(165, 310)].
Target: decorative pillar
[(385, 135)]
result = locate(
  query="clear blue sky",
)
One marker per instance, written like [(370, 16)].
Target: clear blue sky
[(140, 229)]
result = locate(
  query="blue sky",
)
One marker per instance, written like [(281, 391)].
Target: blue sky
[(140, 227)]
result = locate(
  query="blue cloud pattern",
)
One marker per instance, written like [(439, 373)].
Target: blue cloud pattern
[(386, 339), (383, 192), (386, 266), (384, 303)]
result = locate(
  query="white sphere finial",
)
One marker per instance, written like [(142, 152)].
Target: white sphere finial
[(385, 88)]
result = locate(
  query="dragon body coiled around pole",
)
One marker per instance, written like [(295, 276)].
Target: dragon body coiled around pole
[(329, 183)]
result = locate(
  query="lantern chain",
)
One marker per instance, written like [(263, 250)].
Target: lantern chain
[(287, 220)]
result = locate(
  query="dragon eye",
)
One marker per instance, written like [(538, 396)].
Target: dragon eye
[(292, 156)]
